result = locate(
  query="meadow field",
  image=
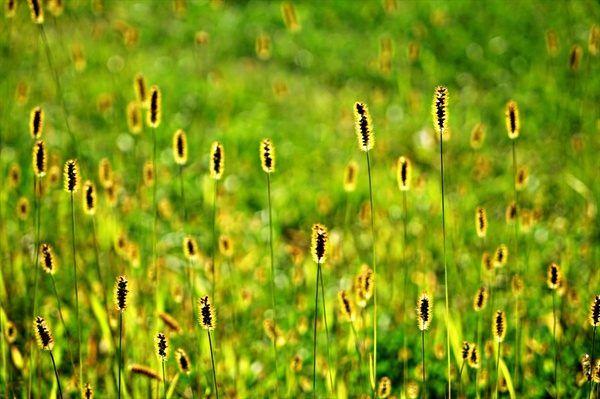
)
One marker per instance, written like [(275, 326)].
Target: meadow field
[(305, 199)]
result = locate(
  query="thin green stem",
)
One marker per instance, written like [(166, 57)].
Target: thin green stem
[(273, 283), (362, 383), (76, 291), (56, 374), (374, 274), (445, 267), (212, 359), (63, 323), (120, 348), (97, 254), (38, 205), (214, 233), (154, 222), (185, 216), (405, 358), (555, 347), (516, 247), (165, 379), (592, 363), (462, 366), (498, 368), (423, 359), (315, 337), (320, 274)]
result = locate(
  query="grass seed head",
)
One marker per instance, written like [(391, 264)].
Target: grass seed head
[(36, 122), (225, 246), (350, 176), (554, 276), (267, 156), (263, 46), (105, 174), (364, 126), (319, 243), (551, 43), (385, 387), (40, 158), (424, 306), (217, 160), (42, 334), (120, 293), (480, 300), (499, 326), (23, 208), (190, 248), (481, 222), (148, 173), (37, 11), (10, 8), (141, 90), (183, 361), (71, 176), (594, 316), (511, 212), (512, 120), (161, 346), (88, 392), (346, 306), (89, 197), (466, 348), (170, 322), (473, 357), (207, 316), (477, 136), (154, 110), (404, 173), (501, 256), (575, 58), (145, 371), (10, 332), (440, 110), (48, 261), (593, 40), (134, 117), (180, 147)]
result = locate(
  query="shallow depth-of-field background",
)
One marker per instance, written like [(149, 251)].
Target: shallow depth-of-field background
[(233, 72)]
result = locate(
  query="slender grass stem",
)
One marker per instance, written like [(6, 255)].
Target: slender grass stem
[(273, 283), (374, 274), (445, 267), (38, 205), (76, 291), (423, 359), (517, 328), (462, 366), (315, 336), (185, 216), (405, 290), (555, 346), (212, 359), (214, 234), (154, 222), (165, 379), (120, 348), (56, 374), (63, 323), (362, 382), (100, 280), (592, 363), (498, 368), (320, 273)]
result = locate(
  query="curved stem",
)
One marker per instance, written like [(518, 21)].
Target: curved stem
[(56, 374), (154, 212), (362, 383), (498, 368), (555, 346)]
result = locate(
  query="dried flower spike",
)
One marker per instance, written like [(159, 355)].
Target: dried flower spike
[(180, 147), (105, 173), (89, 197), (71, 177), (162, 348), (141, 90), (554, 276), (170, 322), (477, 136), (364, 126), (319, 243), (367, 281), (88, 392), (346, 305), (37, 11), (594, 316), (146, 371), (39, 158), (36, 122), (217, 160), (575, 58), (440, 110), (183, 361), (480, 299), (48, 261), (501, 256), (42, 334), (289, 16), (481, 222), (404, 173), (190, 248), (11, 8), (207, 316), (473, 357), (466, 348), (350, 176), (499, 327), (267, 156), (512, 120), (424, 305), (134, 117), (120, 293), (385, 387), (154, 111)]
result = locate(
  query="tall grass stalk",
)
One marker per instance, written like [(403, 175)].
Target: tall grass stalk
[(498, 367), (164, 380), (517, 324), (38, 205), (154, 222), (214, 246), (315, 335), (120, 348), (423, 359), (320, 276), (63, 323), (356, 345), (273, 283), (56, 374), (76, 290), (374, 376), (592, 363), (555, 346), (445, 266), (212, 359), (405, 358)]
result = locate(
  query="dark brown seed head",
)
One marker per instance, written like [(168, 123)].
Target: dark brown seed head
[(148, 173), (477, 136), (36, 122), (225, 246), (71, 177), (404, 173), (14, 175), (88, 392), (499, 326), (180, 147), (120, 293), (11, 8), (190, 248), (154, 111), (37, 12), (440, 110), (10, 332), (575, 58), (512, 119), (141, 89), (170, 322), (350, 176), (594, 316), (480, 299), (364, 126), (511, 212), (146, 371), (319, 241), (554, 276), (217, 160), (473, 357), (481, 222), (346, 305), (48, 261), (207, 316), (501, 256), (385, 387), (39, 158), (466, 348), (183, 361), (89, 197), (424, 305), (162, 348), (43, 334), (134, 117), (267, 156)]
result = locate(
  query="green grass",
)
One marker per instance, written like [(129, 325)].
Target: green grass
[(485, 54)]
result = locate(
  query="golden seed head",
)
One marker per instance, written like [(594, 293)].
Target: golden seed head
[(404, 173), (319, 243), (134, 117), (144, 370), (575, 58), (440, 110), (10, 332), (42, 334), (154, 110), (465, 349), (486, 262), (424, 305), (594, 316), (586, 366), (267, 156), (596, 372), (71, 176), (521, 178), (511, 212), (412, 390), (89, 197), (350, 176), (481, 222), (516, 285), (14, 175), (551, 42), (11, 8), (39, 158), (120, 293), (162, 348), (207, 316), (296, 363), (105, 174), (170, 322), (180, 147), (36, 122), (367, 281), (473, 356), (190, 248), (37, 11), (263, 46), (141, 90), (501, 256), (183, 361), (499, 326), (23, 208), (480, 299), (359, 293), (554, 276), (385, 386), (512, 120), (273, 332), (88, 392), (148, 173), (225, 246), (346, 305), (414, 49), (593, 40), (48, 261), (289, 17), (217, 160), (201, 38), (477, 136), (364, 126)]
